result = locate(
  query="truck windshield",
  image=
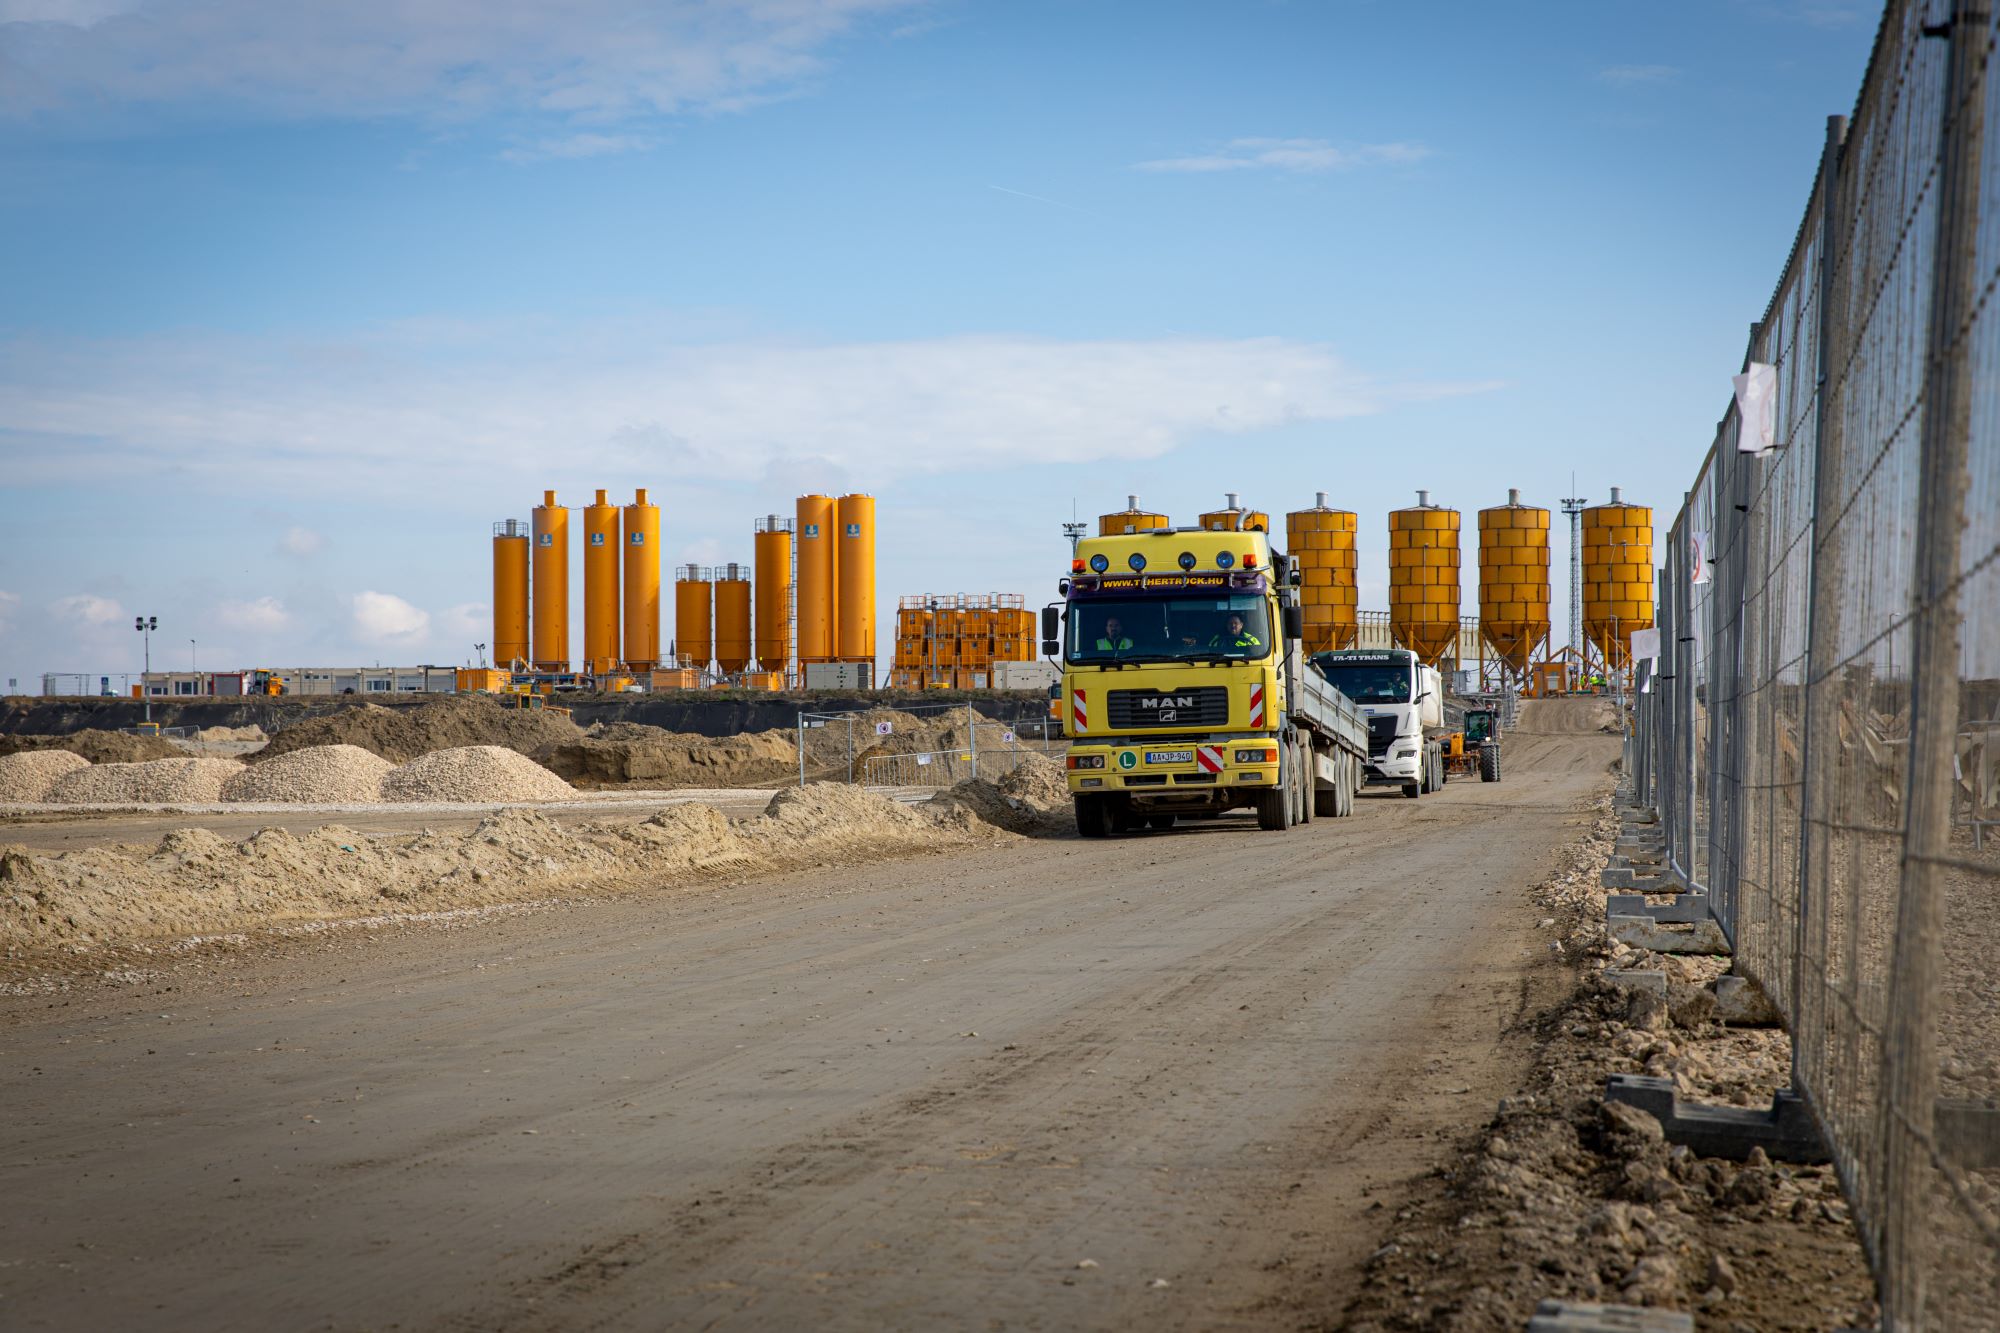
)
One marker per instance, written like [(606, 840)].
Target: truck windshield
[(1169, 629), (1368, 684)]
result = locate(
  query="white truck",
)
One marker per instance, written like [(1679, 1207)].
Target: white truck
[(1403, 703)]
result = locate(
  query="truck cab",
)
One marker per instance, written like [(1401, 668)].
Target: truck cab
[(1403, 701)]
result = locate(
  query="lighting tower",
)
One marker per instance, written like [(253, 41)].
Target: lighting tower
[(1074, 531), (1573, 506), (146, 625)]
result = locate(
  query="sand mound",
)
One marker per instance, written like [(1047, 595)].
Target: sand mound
[(242, 735), (27, 775), (658, 758), (155, 782), (1584, 715), (402, 734), (1033, 799), (624, 731), (320, 775), (99, 747), (476, 773), (1038, 780)]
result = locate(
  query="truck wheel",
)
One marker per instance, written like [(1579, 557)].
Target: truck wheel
[(1162, 822), (1326, 804), (1093, 817), (1274, 810), (1302, 770), (1489, 763), (1123, 821), (1412, 790)]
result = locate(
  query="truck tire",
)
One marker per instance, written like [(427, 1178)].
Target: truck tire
[(1161, 822), (1274, 810), (1302, 768), (1412, 790), (1489, 763), (1093, 816), (1326, 804)]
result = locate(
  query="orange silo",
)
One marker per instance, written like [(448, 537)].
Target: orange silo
[(816, 587), (510, 593), (694, 641), (642, 583), (1514, 581), (854, 565), (1617, 577), (1233, 517), (1423, 579), (1320, 542), (1130, 519), (732, 618), (550, 522), (600, 585), (774, 593)]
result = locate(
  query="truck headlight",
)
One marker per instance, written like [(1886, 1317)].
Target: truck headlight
[(1408, 753), (1086, 761), (1255, 757)]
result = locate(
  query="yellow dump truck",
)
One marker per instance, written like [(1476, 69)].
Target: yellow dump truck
[(1184, 693)]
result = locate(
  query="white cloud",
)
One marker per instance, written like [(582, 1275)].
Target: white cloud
[(263, 615), (301, 542), (1294, 155), (441, 60), (1638, 76), (470, 622), (89, 609), (625, 399), (577, 145), (10, 604), (382, 615)]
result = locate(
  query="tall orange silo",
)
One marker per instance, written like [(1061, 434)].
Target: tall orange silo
[(1514, 581), (510, 593), (642, 583), (854, 603), (1130, 519), (694, 634), (1423, 579), (550, 522), (1617, 577), (600, 585), (1320, 541), (774, 593), (732, 618), (816, 590), (1233, 517)]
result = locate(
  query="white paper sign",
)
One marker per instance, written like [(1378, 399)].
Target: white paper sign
[(1756, 408), (1007, 737), (923, 759), (1698, 557), (883, 728), (1646, 643)]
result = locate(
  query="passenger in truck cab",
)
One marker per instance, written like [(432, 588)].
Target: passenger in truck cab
[(1234, 635), (1113, 639)]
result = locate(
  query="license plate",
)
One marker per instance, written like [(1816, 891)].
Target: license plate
[(1170, 756)]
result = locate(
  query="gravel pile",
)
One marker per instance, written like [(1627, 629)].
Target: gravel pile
[(320, 775), (474, 773), (156, 782), (238, 734), (26, 777)]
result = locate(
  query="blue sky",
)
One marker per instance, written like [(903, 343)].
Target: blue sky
[(296, 300)]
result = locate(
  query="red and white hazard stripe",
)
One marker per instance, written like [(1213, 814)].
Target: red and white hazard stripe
[(1078, 710), (1257, 705), (1209, 757)]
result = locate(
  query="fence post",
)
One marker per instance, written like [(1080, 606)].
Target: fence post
[(802, 749), (972, 731), (1910, 1076)]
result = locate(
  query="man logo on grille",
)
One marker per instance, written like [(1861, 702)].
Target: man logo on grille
[(1168, 702)]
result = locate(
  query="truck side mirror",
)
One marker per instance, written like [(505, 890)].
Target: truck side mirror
[(1295, 623), (1051, 631)]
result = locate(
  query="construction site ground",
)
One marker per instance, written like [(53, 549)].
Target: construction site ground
[(1185, 1079)]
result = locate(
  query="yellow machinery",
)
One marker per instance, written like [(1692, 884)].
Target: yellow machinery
[(600, 586), (1617, 577), (1423, 579), (550, 572), (732, 618), (641, 532), (694, 642), (1320, 542), (1514, 582), (1233, 517), (510, 591), (854, 569), (1130, 519), (816, 592), (774, 594)]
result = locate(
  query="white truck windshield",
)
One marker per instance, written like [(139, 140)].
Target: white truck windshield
[(1368, 683), (1169, 629)]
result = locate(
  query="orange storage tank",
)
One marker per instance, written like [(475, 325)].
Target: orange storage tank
[(774, 593), (642, 583), (510, 592), (600, 586), (816, 561), (1618, 580), (1320, 542), (694, 642), (550, 573), (1423, 579), (732, 618), (854, 567), (1514, 581), (1131, 519)]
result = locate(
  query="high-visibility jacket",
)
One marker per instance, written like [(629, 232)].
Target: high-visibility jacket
[(1105, 645), (1244, 640)]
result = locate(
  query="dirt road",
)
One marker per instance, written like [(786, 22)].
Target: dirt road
[(1174, 1079)]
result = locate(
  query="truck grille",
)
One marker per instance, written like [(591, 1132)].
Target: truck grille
[(1204, 706), (1381, 735)]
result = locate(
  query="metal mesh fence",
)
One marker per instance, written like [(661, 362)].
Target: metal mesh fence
[(1821, 735)]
